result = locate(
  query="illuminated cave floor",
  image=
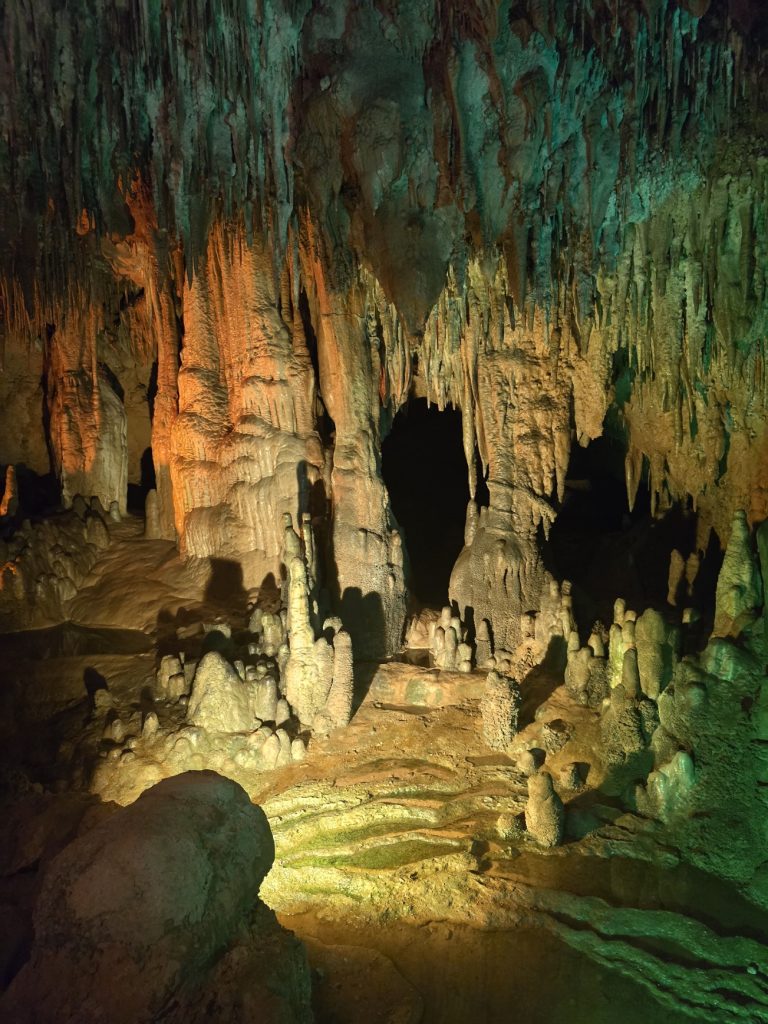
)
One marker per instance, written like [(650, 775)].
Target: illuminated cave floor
[(400, 857)]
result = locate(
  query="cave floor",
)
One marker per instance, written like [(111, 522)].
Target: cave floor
[(401, 856)]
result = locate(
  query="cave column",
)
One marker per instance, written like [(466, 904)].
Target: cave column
[(166, 406), (521, 406), (367, 550), (244, 448), (88, 428)]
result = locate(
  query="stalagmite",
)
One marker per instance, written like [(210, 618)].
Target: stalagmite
[(656, 644), (676, 576), (621, 727), (170, 680), (630, 674), (739, 595), (338, 707), (692, 566), (483, 644), (152, 527), (544, 815), (354, 357), (219, 702), (499, 707)]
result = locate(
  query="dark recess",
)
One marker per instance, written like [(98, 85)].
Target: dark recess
[(137, 493), (425, 472), (326, 428), (39, 493), (606, 551)]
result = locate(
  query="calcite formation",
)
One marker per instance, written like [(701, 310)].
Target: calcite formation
[(544, 810), (549, 216), (318, 669), (44, 563), (499, 708), (242, 701), (240, 243), (450, 649)]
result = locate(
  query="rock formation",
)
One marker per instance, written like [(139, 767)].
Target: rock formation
[(499, 708), (739, 595), (45, 563), (656, 647), (240, 245), (318, 670), (544, 818), (137, 917), (560, 276), (219, 701), (450, 649)]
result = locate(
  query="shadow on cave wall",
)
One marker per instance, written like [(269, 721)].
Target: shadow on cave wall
[(361, 614), (93, 681), (225, 590), (270, 594), (542, 680), (313, 501), (363, 618), (224, 595)]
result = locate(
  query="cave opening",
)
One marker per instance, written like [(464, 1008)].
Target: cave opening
[(608, 550), (137, 492), (425, 471)]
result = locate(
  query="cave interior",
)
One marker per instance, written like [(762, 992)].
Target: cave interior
[(384, 511)]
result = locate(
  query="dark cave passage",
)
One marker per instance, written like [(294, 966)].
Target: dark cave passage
[(608, 551), (137, 493), (425, 471), (39, 494)]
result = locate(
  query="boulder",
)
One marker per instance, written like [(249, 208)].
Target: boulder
[(136, 914)]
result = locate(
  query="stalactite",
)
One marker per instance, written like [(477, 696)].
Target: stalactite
[(583, 242)]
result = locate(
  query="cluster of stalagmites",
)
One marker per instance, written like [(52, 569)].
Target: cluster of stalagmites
[(43, 564), (453, 648), (662, 713), (250, 701), (625, 673), (500, 708), (318, 667), (449, 643)]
